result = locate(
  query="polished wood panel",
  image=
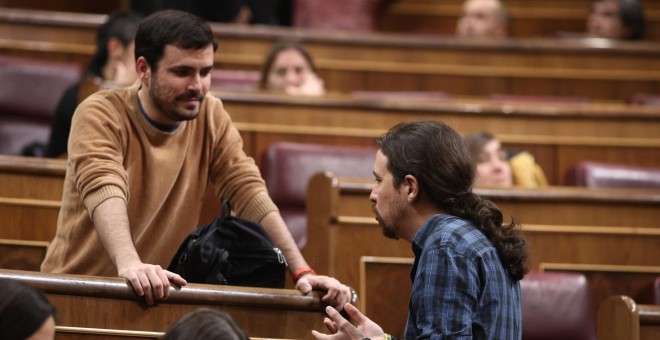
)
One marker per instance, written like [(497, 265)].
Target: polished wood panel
[(620, 317), (385, 288), (29, 177), (22, 255), (101, 302)]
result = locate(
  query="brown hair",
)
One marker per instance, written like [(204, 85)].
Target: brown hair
[(476, 142), (438, 157)]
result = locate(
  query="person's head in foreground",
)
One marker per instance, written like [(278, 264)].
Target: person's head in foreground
[(616, 19), (25, 313), (289, 68), (467, 262), (493, 169), (482, 19), (205, 323)]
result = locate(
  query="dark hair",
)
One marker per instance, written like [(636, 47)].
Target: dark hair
[(476, 142), (632, 17), (23, 310), (205, 323), (171, 27), (120, 25), (439, 159), (275, 51)]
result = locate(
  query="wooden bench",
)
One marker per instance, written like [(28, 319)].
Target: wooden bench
[(386, 61), (559, 136), (612, 250), (110, 303), (619, 317)]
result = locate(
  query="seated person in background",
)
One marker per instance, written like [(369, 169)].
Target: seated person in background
[(482, 19), (496, 169), (205, 323), (25, 313), (616, 19), (112, 64), (289, 68)]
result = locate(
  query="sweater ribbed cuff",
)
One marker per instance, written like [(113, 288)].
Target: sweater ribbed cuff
[(93, 199), (259, 207)]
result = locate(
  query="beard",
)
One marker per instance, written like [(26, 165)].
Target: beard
[(386, 228), (171, 107)]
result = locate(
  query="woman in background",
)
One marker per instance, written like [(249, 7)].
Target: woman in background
[(496, 169), (289, 68)]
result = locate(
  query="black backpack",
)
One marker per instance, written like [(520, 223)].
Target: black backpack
[(230, 251)]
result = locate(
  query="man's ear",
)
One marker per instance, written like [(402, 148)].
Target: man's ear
[(143, 70), (412, 187)]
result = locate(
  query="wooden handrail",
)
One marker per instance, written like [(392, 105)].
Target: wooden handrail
[(109, 287)]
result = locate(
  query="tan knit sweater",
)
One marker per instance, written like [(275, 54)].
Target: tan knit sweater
[(115, 152)]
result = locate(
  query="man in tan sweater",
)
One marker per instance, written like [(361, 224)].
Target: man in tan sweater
[(141, 158)]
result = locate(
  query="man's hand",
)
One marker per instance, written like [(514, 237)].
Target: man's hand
[(151, 281), (341, 328), (336, 295)]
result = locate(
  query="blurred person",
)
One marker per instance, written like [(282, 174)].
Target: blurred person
[(616, 19), (496, 169), (205, 323), (289, 68), (467, 265), (113, 64), (25, 313), (483, 19)]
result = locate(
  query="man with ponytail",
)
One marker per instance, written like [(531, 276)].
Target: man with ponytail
[(467, 263)]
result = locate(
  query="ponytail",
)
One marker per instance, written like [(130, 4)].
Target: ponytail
[(507, 239)]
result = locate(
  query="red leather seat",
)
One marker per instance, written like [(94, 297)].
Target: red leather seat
[(349, 15), (557, 306), (603, 175), (288, 167), (30, 90)]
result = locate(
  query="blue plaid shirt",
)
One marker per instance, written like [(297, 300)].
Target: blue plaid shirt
[(460, 288)]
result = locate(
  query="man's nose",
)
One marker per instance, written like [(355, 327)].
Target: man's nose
[(195, 83)]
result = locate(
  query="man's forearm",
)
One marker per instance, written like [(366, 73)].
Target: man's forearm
[(112, 225), (281, 236)]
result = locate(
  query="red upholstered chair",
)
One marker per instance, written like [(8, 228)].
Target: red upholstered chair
[(645, 99), (602, 175), (288, 167), (30, 90), (557, 306), (353, 15)]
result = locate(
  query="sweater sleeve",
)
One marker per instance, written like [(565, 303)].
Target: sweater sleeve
[(95, 151), (235, 175)]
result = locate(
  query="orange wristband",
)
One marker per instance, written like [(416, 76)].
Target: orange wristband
[(302, 272)]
